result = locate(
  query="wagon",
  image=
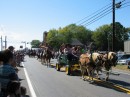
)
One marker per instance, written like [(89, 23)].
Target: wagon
[(70, 66)]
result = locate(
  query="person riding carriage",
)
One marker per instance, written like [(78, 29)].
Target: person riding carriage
[(72, 53)]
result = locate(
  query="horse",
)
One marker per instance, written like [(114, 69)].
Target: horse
[(46, 57), (90, 63), (109, 60), (96, 62), (83, 60)]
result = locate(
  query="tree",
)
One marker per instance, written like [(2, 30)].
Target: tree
[(120, 36), (128, 31), (35, 43), (53, 38), (101, 36)]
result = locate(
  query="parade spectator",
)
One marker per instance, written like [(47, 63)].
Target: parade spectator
[(7, 72), (23, 91), (13, 89), (1, 62), (14, 63)]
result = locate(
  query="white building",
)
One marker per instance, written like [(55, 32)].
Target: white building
[(127, 46)]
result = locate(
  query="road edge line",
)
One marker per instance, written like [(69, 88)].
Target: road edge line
[(33, 94)]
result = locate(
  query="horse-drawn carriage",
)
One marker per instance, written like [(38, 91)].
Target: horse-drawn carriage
[(69, 65)]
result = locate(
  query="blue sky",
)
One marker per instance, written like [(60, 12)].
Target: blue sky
[(26, 20)]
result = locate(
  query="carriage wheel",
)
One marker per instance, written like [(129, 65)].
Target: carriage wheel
[(57, 67), (68, 70)]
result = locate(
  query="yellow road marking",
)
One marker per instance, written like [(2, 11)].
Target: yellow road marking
[(113, 85), (109, 84)]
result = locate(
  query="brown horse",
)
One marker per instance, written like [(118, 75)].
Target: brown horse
[(86, 66), (90, 63), (96, 62), (47, 57)]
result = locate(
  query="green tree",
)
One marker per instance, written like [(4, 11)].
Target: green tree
[(128, 31), (35, 43), (53, 38), (101, 36), (83, 34), (120, 36)]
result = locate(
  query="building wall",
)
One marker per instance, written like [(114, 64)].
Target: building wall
[(44, 37), (127, 46)]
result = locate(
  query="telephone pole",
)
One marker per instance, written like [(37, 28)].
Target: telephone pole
[(5, 42), (1, 43), (113, 27)]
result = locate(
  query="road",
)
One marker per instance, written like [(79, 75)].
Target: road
[(47, 82)]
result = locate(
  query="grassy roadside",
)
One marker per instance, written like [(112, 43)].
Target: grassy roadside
[(122, 67)]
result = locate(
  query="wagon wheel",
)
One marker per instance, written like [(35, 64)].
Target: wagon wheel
[(57, 67), (68, 70)]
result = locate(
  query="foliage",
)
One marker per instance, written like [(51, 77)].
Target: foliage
[(64, 35), (101, 37), (35, 43), (120, 36)]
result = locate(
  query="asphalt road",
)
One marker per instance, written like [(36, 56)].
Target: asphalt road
[(47, 82)]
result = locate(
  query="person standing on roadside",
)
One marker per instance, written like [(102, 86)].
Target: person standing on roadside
[(1, 57), (7, 72), (14, 63)]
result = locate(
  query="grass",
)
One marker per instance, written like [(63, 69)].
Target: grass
[(122, 67)]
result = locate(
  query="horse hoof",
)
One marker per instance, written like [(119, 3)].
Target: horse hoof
[(83, 79), (91, 82), (106, 79)]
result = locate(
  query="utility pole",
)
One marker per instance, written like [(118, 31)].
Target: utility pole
[(113, 27), (25, 44), (5, 42), (1, 43)]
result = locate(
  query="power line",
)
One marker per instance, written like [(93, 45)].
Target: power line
[(126, 4), (99, 17), (103, 12), (94, 14)]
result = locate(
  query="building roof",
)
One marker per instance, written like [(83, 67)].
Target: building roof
[(76, 42)]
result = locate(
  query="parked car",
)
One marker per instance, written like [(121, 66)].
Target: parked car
[(120, 54), (122, 60), (128, 63)]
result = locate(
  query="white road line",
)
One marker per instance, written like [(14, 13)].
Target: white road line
[(33, 94)]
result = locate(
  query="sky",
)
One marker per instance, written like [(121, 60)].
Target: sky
[(26, 20)]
